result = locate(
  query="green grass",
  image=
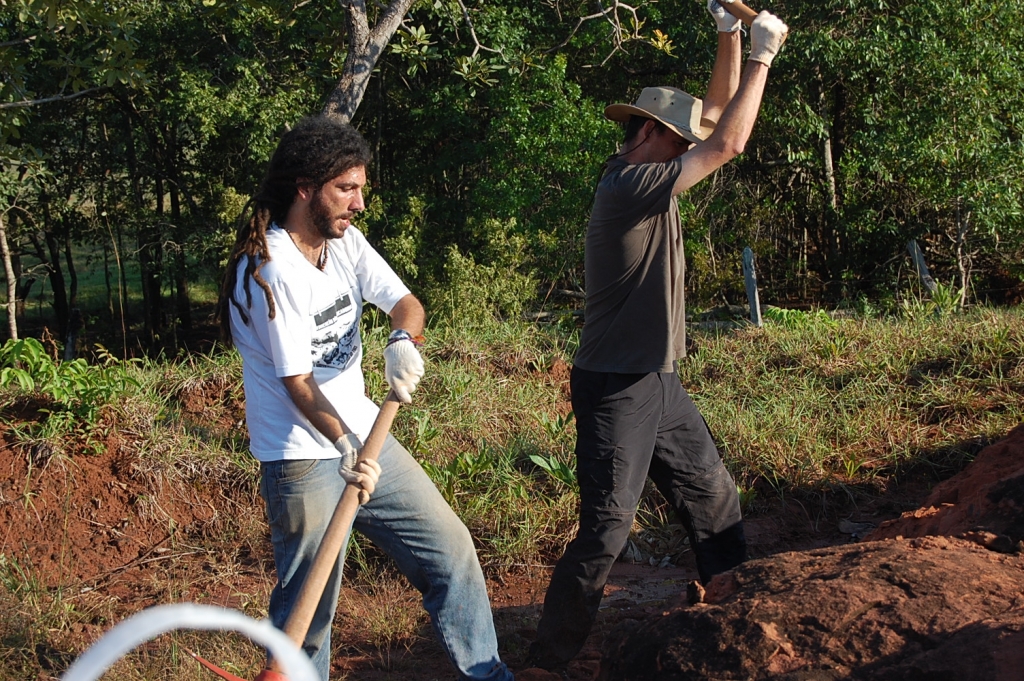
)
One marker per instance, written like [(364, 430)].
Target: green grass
[(858, 398), (92, 298), (806, 403)]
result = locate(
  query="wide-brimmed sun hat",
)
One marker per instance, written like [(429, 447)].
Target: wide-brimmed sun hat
[(676, 109)]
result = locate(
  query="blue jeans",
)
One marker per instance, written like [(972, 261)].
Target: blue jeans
[(409, 520)]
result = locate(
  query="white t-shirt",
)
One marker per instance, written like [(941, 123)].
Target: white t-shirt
[(315, 329)]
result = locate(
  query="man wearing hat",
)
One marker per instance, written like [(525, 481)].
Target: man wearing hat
[(633, 417)]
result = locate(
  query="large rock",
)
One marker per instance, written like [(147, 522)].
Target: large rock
[(906, 610), (984, 503)]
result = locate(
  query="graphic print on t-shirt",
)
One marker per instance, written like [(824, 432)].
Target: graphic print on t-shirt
[(337, 333), (326, 316)]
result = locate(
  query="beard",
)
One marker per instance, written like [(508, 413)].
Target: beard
[(324, 222)]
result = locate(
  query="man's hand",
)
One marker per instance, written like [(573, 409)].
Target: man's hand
[(348, 445), (403, 366), (364, 475), (767, 34), (726, 22)]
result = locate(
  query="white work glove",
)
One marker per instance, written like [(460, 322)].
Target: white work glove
[(767, 34), (365, 476), (403, 366), (726, 22), (362, 474), (348, 445)]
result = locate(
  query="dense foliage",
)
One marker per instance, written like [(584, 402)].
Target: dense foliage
[(131, 132)]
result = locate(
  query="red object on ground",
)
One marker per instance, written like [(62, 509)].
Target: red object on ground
[(223, 673)]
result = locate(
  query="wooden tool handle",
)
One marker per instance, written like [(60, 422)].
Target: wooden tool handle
[(740, 11), (326, 557)]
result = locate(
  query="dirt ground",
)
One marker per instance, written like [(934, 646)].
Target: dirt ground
[(937, 593), (112, 536), (114, 539), (919, 609)]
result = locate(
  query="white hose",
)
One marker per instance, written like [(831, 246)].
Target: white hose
[(152, 622)]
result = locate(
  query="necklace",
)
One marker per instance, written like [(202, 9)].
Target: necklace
[(321, 262)]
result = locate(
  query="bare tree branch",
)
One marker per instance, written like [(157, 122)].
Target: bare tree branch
[(619, 34), (24, 104), (19, 41), (365, 46), (476, 42)]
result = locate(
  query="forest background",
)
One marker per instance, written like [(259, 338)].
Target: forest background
[(133, 131)]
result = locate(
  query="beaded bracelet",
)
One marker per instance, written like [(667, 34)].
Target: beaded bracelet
[(402, 334)]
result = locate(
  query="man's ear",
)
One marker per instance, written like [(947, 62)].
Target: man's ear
[(304, 189)]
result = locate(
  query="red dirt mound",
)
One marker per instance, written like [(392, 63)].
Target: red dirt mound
[(82, 518), (78, 518), (877, 610), (902, 610), (984, 503)]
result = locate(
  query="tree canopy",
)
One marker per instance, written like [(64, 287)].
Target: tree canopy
[(133, 131)]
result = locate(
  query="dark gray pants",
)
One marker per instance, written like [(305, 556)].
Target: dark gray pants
[(629, 427)]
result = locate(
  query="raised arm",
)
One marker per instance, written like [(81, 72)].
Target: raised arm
[(725, 74), (737, 120)]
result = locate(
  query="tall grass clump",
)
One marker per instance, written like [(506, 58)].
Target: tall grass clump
[(485, 407), (809, 400), (190, 413), (72, 396)]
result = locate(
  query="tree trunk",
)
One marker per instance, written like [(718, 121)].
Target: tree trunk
[(50, 258), (183, 306), (122, 282), (72, 272), (101, 210), (831, 224), (963, 258), (803, 261), (60, 296), (107, 282), (24, 283), (830, 173), (12, 284), (365, 45), (122, 290), (921, 266), (151, 270), (750, 278)]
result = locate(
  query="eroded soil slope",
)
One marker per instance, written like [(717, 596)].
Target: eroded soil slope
[(935, 593)]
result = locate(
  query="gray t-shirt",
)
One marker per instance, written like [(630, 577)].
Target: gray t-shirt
[(635, 314)]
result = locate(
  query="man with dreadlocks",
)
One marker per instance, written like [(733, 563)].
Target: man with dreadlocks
[(291, 302)]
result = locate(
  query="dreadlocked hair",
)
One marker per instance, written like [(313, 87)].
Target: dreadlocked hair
[(316, 150)]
